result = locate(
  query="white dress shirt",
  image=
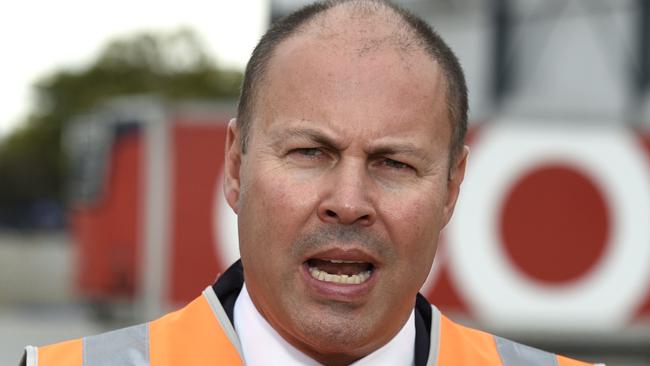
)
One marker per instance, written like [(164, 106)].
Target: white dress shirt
[(263, 346)]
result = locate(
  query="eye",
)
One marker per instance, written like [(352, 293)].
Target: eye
[(394, 164), (310, 152)]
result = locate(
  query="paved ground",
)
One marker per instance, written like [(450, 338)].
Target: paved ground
[(37, 302), (39, 325)]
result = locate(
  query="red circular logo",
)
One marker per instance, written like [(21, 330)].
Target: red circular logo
[(554, 224)]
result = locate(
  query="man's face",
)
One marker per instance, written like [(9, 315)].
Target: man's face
[(343, 191)]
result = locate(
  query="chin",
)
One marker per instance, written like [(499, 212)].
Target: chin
[(333, 334)]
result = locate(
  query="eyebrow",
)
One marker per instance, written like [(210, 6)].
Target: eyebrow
[(308, 134)]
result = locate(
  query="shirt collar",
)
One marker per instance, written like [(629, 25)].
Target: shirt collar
[(261, 343)]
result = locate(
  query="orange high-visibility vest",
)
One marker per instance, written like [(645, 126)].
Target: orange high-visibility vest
[(202, 334)]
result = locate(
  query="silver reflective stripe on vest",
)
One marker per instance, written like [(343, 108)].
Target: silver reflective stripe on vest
[(223, 319), (434, 337), (128, 346), (31, 356), (515, 354)]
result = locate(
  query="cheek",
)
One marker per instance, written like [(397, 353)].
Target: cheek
[(283, 196), (414, 226), (274, 205), (418, 216)]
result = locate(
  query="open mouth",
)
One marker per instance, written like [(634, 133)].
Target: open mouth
[(347, 272)]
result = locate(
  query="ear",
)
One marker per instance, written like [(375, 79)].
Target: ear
[(456, 176), (232, 165)]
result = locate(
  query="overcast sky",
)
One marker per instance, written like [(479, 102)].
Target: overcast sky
[(39, 36)]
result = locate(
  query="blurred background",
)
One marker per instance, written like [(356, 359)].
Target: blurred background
[(111, 146)]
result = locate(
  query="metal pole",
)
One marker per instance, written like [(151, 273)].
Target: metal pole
[(501, 50)]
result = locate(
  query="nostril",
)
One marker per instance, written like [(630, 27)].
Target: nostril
[(330, 213)]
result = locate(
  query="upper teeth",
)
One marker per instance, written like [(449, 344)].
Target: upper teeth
[(342, 261), (354, 279)]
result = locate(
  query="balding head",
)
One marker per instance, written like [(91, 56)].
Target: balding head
[(371, 25)]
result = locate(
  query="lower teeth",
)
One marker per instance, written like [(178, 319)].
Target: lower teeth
[(354, 279)]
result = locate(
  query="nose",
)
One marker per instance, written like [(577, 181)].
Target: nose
[(346, 197)]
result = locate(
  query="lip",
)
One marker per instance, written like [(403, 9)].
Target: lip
[(346, 254), (347, 293)]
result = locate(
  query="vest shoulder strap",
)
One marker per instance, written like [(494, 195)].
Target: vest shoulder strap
[(198, 334), (126, 346), (461, 345), (194, 335)]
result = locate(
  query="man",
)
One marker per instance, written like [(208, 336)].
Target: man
[(343, 166)]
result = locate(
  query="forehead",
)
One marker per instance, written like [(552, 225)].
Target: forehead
[(363, 72)]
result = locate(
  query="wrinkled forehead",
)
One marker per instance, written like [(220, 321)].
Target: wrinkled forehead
[(343, 45), (362, 78)]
